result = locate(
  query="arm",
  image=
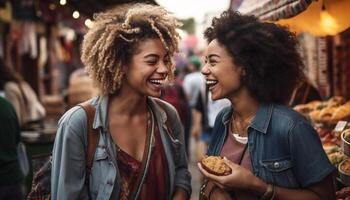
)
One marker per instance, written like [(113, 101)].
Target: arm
[(68, 158), (243, 179), (182, 175), (197, 111), (196, 124), (311, 169)]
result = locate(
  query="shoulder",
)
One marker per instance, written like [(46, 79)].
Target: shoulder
[(294, 123), (287, 115), (74, 120), (223, 112), (167, 107), (11, 86), (6, 106)]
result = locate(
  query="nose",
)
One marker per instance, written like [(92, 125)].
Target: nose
[(205, 70), (162, 68)]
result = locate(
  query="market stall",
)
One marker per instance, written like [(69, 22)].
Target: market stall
[(323, 31)]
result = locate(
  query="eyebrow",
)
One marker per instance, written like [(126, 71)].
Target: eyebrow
[(151, 55), (213, 55)]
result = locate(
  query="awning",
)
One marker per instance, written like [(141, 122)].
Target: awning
[(270, 9), (331, 20)]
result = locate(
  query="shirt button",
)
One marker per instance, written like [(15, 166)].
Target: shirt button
[(276, 164)]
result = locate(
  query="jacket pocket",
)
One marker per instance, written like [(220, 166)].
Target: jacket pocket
[(279, 172)]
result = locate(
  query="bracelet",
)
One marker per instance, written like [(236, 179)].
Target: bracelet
[(269, 193)]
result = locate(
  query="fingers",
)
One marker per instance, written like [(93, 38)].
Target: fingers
[(217, 180), (207, 174), (219, 184)]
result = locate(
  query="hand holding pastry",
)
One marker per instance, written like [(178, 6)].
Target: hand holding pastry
[(239, 177)]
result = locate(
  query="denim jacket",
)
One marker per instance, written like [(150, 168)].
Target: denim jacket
[(68, 165), (284, 148)]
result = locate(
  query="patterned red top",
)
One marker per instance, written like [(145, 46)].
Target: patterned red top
[(156, 183)]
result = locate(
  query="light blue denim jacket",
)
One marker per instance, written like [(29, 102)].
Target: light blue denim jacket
[(68, 164), (284, 148)]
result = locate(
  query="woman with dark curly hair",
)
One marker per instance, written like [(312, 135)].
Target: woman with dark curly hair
[(273, 152), (140, 152)]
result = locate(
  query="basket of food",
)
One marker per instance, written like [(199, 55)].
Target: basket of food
[(345, 142), (344, 172)]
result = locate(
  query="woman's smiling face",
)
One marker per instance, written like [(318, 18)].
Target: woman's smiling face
[(221, 74), (148, 68)]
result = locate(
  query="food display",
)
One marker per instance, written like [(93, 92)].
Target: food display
[(345, 167), (216, 165), (329, 112)]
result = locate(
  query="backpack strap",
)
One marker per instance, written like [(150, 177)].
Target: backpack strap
[(92, 136)]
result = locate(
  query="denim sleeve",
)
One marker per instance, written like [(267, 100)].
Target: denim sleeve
[(311, 163), (182, 174), (68, 157)]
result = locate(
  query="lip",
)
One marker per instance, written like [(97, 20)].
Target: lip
[(156, 83), (211, 83)]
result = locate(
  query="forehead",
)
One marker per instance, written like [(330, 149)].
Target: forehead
[(154, 46), (215, 47)]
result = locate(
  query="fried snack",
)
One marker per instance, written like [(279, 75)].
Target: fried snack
[(315, 115), (341, 112), (216, 165), (336, 101), (327, 113), (309, 107)]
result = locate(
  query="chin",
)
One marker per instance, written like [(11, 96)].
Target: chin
[(154, 94)]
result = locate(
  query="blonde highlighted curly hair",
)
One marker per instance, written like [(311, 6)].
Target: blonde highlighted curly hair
[(112, 41)]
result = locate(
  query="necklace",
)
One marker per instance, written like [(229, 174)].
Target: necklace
[(242, 130)]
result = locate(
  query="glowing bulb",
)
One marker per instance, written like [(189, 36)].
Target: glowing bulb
[(89, 23), (76, 14), (328, 23), (63, 2)]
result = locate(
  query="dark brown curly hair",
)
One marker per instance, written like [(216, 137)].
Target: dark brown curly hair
[(266, 51)]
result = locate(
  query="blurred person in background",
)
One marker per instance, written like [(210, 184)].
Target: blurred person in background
[(17, 91), (192, 80), (141, 152), (175, 95), (80, 88), (11, 177), (273, 151)]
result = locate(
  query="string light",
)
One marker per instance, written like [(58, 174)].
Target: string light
[(328, 23), (89, 23), (76, 14), (63, 2)]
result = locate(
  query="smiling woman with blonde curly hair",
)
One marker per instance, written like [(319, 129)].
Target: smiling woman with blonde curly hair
[(140, 152)]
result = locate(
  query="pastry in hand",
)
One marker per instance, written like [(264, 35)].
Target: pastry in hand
[(216, 165)]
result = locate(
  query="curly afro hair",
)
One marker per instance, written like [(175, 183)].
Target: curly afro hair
[(267, 53), (115, 36)]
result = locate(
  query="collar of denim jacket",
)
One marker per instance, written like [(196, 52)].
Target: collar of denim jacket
[(101, 104), (261, 120)]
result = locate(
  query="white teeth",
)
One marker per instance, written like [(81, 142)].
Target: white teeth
[(211, 82), (157, 81)]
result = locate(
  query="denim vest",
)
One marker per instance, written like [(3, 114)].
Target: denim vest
[(285, 149)]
